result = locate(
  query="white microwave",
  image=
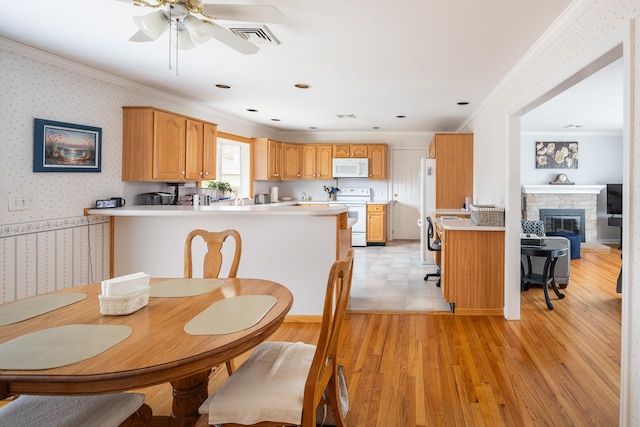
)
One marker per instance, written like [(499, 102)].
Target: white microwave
[(351, 168)]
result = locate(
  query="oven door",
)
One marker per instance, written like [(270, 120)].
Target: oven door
[(358, 212)]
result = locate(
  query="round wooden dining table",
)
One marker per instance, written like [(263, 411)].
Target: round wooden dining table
[(157, 351)]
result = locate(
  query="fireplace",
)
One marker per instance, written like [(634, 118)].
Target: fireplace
[(538, 197), (566, 220)]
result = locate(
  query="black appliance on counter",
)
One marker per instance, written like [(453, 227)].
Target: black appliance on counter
[(156, 198)]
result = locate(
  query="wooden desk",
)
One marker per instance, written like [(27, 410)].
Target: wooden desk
[(472, 266), (157, 351)]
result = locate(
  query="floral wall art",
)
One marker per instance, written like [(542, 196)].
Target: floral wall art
[(556, 155)]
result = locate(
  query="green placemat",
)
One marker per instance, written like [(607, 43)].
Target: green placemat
[(60, 346), (27, 308), (231, 315), (176, 288)]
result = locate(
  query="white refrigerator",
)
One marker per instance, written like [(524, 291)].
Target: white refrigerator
[(427, 180)]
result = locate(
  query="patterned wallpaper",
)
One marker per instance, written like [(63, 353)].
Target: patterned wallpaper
[(52, 245)]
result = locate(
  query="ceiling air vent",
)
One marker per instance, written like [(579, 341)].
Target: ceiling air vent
[(257, 35), (346, 116)]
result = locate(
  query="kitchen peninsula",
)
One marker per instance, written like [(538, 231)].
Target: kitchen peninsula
[(291, 245)]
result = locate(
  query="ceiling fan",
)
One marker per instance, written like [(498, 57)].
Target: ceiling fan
[(192, 21)]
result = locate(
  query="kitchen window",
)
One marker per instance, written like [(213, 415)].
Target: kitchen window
[(233, 163)]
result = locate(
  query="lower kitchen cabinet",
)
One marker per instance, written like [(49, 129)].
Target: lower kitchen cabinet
[(472, 267), (376, 224)]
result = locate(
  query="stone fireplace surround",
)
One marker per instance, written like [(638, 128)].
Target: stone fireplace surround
[(536, 197)]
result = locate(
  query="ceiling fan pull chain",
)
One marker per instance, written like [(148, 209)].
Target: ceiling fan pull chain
[(177, 44), (170, 8)]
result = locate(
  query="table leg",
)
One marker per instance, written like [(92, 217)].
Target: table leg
[(188, 395), (553, 279), (545, 282)]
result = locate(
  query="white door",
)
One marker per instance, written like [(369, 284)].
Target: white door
[(405, 200)]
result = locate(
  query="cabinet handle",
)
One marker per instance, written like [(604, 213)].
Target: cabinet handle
[(206, 173), (200, 173), (182, 172)]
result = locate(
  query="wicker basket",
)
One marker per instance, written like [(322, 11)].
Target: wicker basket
[(125, 304), (488, 215)]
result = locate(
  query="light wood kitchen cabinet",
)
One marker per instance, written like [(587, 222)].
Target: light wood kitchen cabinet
[(316, 161), (376, 224), (472, 270), (291, 161), (267, 159), (350, 150), (201, 151), (454, 169), (377, 161), (158, 145)]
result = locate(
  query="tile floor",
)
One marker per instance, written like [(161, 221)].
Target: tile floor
[(391, 278)]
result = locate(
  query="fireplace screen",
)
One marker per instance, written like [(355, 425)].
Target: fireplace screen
[(563, 220)]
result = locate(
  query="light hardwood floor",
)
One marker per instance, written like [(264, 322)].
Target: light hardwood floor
[(551, 368)]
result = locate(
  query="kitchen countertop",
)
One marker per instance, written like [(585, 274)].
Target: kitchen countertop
[(451, 212), (464, 224), (277, 209)]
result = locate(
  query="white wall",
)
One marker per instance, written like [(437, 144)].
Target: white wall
[(600, 162)]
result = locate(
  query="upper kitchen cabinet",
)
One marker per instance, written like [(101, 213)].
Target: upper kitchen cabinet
[(316, 161), (291, 161), (377, 161), (350, 150), (201, 151), (158, 145), (454, 168), (267, 159)]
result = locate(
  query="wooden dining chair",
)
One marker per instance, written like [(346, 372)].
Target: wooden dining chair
[(282, 383), (213, 258), (212, 263), (103, 410)]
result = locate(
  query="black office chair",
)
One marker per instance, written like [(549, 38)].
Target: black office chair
[(435, 246)]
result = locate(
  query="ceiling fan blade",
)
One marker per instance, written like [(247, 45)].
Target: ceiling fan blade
[(244, 12), (233, 41), (140, 37)]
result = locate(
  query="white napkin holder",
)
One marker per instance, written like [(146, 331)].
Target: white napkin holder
[(124, 295)]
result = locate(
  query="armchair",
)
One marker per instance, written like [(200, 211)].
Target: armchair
[(563, 265)]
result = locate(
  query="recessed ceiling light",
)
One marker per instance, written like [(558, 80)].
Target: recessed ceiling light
[(302, 86), (221, 86), (573, 126), (376, 127), (463, 103), (401, 117), (252, 110)]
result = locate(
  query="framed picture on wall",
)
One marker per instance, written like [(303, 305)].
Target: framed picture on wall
[(556, 155), (66, 147)]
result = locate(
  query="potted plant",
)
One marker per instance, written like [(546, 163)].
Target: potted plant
[(223, 188)]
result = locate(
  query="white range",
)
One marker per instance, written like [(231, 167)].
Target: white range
[(355, 199)]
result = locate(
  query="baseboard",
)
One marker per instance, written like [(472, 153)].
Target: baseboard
[(303, 318)]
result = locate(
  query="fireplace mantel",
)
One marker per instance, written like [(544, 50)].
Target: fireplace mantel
[(562, 189)]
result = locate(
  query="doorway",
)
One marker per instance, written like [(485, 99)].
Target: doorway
[(626, 163)]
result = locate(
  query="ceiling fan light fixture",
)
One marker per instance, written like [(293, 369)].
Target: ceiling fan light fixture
[(152, 24), (184, 40), (200, 31)]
